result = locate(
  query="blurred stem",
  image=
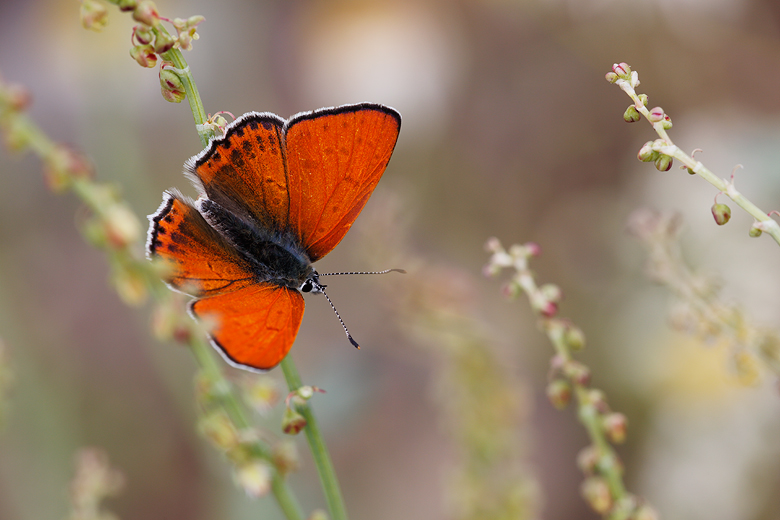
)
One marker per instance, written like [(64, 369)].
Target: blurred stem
[(330, 484)]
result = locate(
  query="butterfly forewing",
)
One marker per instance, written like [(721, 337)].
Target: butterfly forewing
[(335, 158)]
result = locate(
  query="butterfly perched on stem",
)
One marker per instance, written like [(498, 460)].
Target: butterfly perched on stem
[(275, 196)]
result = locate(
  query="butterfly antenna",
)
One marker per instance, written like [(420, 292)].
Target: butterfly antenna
[(364, 272), (346, 331)]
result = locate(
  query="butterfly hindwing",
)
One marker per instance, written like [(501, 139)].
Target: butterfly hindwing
[(335, 158), (254, 326), (198, 259)]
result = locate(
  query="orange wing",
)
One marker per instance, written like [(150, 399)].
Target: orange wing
[(199, 260), (335, 158), (244, 170), (254, 326)]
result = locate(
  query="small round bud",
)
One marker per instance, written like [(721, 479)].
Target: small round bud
[(126, 5), (721, 213), (146, 12), (615, 425), (559, 393), (552, 292), (533, 248), (611, 77), (292, 422), (664, 163), (595, 491), (656, 115), (574, 337), (643, 99), (631, 115), (666, 124), (646, 153), (755, 231)]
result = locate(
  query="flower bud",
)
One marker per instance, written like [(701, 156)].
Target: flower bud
[(656, 115), (144, 55), (646, 153), (126, 5), (622, 70), (292, 422), (664, 163), (146, 12), (667, 123), (559, 393), (721, 213), (755, 230), (171, 86), (631, 115), (94, 15), (574, 337), (643, 99), (587, 459), (163, 42), (615, 425), (143, 34), (577, 372), (611, 77), (595, 491)]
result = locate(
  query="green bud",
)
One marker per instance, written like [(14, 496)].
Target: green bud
[(595, 491), (611, 77), (94, 15), (146, 12), (574, 337), (126, 5), (664, 163), (144, 55), (755, 231), (631, 115), (646, 153), (559, 393), (292, 422), (721, 213), (163, 42), (643, 99), (615, 425)]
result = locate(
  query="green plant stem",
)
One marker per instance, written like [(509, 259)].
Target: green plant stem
[(330, 484)]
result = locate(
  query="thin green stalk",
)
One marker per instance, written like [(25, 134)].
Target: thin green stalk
[(330, 484)]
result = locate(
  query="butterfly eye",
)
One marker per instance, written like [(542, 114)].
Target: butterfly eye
[(307, 286)]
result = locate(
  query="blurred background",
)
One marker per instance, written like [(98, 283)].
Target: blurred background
[(509, 130)]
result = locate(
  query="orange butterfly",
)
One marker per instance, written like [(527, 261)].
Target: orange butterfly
[(275, 196)]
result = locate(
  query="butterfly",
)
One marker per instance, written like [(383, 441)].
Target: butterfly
[(275, 196)]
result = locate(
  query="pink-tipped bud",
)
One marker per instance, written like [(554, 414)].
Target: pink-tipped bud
[(94, 15), (663, 163), (493, 245), (144, 55), (595, 491), (646, 153), (631, 115), (171, 86), (533, 249), (598, 399), (667, 123), (559, 393), (615, 426), (611, 77), (656, 115), (622, 70), (146, 12), (721, 213)]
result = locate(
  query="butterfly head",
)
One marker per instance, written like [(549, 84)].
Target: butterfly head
[(312, 283)]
